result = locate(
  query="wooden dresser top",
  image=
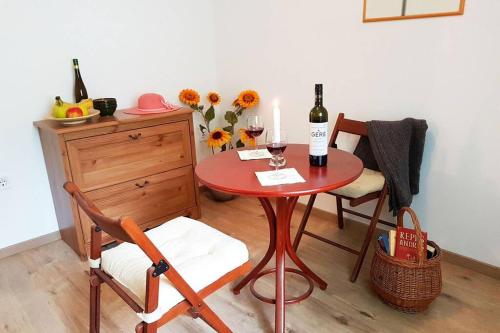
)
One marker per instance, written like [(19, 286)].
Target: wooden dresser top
[(119, 118)]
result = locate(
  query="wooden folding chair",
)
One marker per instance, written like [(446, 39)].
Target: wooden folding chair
[(369, 186), (221, 260)]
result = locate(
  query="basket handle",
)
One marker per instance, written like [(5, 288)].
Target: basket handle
[(418, 231)]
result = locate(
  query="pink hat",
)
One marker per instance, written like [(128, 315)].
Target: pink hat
[(150, 104)]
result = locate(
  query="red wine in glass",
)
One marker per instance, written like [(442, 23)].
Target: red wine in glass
[(276, 148), (255, 127), (276, 145), (255, 131)]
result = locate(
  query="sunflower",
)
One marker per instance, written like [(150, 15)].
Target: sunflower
[(248, 99), (213, 98), (189, 96), (246, 137), (218, 137)]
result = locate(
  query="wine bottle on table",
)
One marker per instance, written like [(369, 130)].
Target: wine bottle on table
[(80, 90), (318, 140)]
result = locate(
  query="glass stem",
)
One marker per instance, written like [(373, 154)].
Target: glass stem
[(276, 163)]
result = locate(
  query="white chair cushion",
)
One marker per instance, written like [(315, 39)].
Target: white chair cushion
[(199, 253), (369, 181)]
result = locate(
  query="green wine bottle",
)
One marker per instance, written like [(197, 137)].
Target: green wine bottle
[(80, 90), (318, 123)]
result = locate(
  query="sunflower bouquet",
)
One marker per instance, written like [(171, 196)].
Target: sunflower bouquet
[(215, 138), (246, 99), (221, 137)]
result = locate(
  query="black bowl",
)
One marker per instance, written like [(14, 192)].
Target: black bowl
[(104, 104), (105, 101), (107, 106)]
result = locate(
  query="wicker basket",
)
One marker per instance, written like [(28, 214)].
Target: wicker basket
[(405, 285)]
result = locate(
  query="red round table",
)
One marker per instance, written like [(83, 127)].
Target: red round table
[(227, 173)]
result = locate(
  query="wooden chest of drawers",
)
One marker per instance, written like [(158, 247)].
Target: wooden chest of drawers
[(138, 166)]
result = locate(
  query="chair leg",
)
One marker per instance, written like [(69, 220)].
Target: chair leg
[(340, 215), (150, 328), (95, 311), (303, 223), (139, 328), (212, 319), (98, 309), (369, 235)]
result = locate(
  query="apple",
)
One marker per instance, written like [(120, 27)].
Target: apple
[(74, 112)]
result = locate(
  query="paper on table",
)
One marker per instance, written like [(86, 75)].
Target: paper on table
[(291, 176), (246, 155)]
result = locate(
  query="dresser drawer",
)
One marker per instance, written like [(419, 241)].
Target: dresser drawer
[(110, 159), (145, 199)]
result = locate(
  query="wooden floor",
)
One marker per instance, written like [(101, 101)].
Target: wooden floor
[(46, 289)]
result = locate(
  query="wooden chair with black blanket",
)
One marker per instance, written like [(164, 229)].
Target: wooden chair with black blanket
[(371, 185), (141, 268)]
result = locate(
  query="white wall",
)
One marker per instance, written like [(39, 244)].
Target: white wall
[(445, 70), (125, 48)]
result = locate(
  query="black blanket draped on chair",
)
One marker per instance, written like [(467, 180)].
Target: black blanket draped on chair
[(395, 148)]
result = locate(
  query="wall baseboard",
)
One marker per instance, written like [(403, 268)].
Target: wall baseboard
[(448, 256), (472, 264), (29, 244)]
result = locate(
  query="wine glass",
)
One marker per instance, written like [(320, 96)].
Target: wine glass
[(255, 127), (276, 145)]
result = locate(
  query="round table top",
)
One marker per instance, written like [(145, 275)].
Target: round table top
[(225, 172)]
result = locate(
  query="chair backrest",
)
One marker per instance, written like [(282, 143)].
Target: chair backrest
[(111, 226), (348, 126)]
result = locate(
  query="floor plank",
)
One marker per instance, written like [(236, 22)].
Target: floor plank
[(46, 289)]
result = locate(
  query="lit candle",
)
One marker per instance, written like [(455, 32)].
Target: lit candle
[(276, 120)]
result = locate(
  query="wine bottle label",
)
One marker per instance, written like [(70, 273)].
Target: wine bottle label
[(318, 141)]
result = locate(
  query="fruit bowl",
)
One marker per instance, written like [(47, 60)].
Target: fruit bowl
[(75, 120)]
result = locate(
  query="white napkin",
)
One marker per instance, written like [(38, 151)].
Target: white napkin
[(246, 155), (291, 176)]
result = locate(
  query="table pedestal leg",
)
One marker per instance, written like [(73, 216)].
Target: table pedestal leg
[(279, 311), (280, 243), (271, 218)]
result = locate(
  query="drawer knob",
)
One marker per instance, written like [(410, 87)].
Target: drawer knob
[(135, 136), (142, 185)]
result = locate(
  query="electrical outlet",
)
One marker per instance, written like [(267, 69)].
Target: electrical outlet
[(4, 184)]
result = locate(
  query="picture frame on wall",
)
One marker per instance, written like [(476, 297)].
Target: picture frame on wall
[(390, 10)]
